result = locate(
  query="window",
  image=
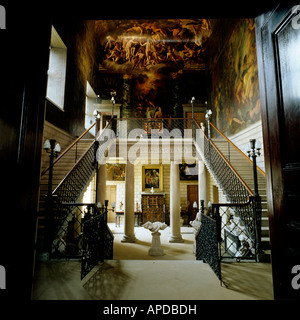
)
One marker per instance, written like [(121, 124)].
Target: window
[(57, 70), (90, 106)]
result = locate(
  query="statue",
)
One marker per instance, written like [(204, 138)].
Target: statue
[(196, 225), (155, 249)]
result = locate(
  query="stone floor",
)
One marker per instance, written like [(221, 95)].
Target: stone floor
[(134, 275)]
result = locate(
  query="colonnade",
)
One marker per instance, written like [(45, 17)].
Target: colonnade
[(175, 231)]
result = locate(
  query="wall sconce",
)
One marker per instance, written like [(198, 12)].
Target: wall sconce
[(98, 99), (113, 206), (96, 114), (195, 206)]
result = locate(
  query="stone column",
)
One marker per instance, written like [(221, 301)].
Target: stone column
[(129, 204), (175, 235), (202, 183), (101, 184)]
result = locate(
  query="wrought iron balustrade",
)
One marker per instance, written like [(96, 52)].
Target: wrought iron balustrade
[(233, 236), (229, 180), (230, 150), (97, 242), (145, 128), (207, 244), (247, 214), (69, 190), (75, 236)]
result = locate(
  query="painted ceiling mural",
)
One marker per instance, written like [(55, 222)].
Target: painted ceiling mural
[(152, 53), (132, 46)]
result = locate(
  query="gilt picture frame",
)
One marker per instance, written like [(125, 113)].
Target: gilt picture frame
[(188, 172), (152, 177), (115, 172)]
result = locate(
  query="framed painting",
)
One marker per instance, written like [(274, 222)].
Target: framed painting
[(188, 172), (115, 172), (153, 177)]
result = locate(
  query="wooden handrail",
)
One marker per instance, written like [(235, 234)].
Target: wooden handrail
[(232, 168), (229, 164), (239, 150), (73, 168), (68, 149), (77, 163)]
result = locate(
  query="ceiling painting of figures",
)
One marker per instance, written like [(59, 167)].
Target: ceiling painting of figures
[(133, 46), (152, 53)]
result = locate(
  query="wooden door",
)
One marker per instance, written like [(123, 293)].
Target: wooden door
[(192, 196), (278, 43), (198, 116), (111, 196)]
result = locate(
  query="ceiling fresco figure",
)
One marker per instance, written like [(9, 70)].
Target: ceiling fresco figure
[(141, 44), (151, 52)]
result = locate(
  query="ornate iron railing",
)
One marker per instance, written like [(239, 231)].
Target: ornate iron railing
[(153, 128), (97, 242), (68, 241), (85, 234), (233, 186), (70, 189), (207, 244), (229, 150), (233, 237), (239, 220)]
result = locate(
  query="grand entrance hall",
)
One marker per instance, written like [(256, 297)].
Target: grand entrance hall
[(156, 155)]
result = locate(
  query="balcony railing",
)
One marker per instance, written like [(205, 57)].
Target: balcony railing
[(130, 128)]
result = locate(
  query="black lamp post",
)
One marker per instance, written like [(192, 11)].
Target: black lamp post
[(253, 151), (54, 150)]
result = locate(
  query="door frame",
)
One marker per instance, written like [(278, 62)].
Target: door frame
[(279, 188)]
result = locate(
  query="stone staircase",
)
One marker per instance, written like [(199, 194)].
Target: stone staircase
[(60, 170), (245, 169)]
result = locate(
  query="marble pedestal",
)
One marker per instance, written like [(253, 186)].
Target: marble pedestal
[(156, 249)]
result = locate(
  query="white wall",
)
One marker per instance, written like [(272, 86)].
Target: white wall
[(242, 138)]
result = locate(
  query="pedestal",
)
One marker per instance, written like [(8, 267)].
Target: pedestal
[(156, 249)]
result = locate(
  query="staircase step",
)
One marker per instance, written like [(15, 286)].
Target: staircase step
[(60, 170), (245, 169)]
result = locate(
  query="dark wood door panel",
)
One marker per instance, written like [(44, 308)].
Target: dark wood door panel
[(278, 47)]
